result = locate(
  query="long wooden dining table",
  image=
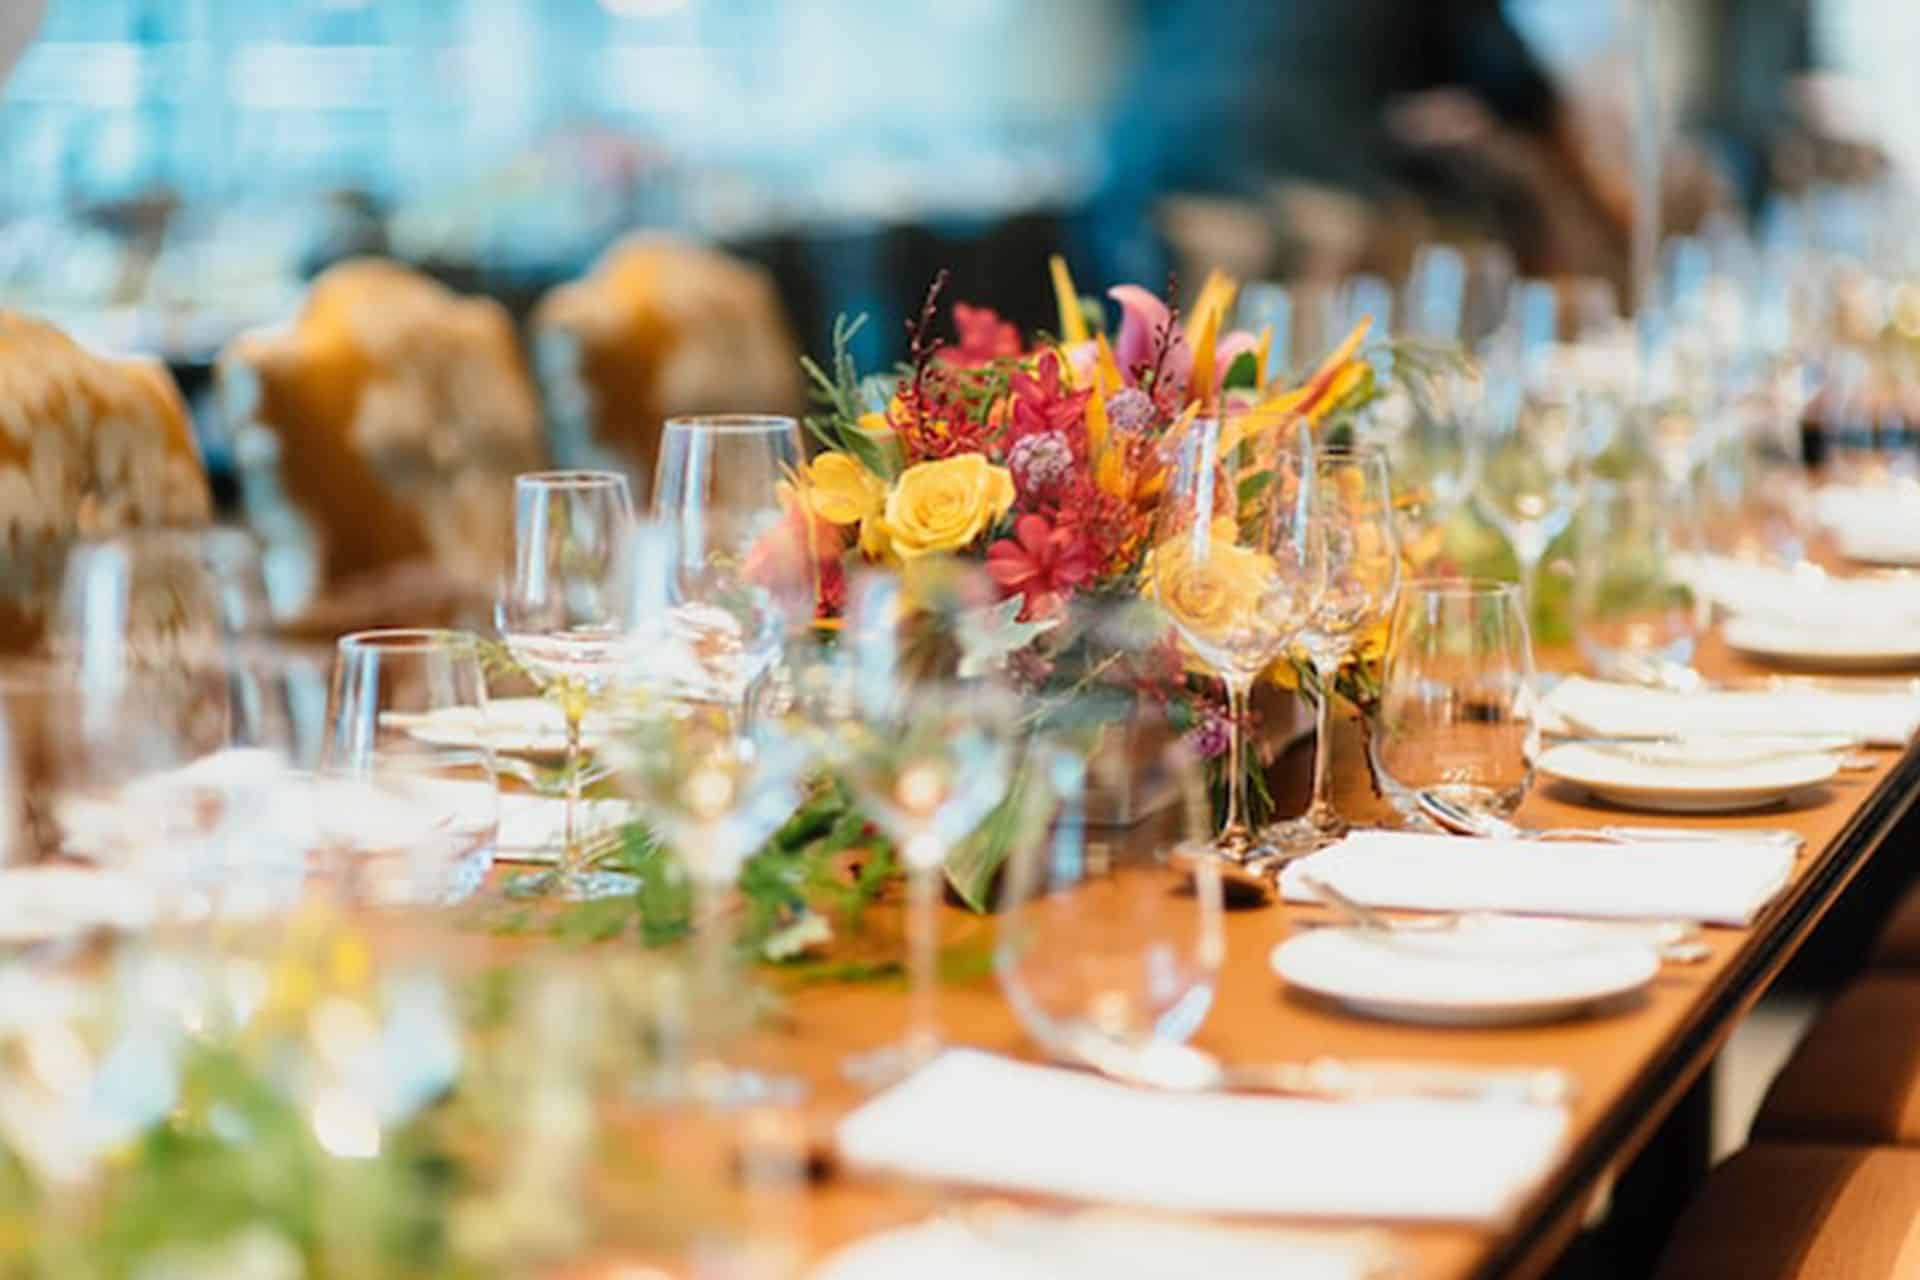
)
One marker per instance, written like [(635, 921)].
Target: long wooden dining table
[(1631, 1065)]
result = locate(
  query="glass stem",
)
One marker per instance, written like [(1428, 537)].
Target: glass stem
[(713, 945), (570, 861), (1238, 690), (923, 959), (1321, 805)]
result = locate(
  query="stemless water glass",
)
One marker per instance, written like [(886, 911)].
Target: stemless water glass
[(158, 597), (1237, 578), (564, 615), (929, 751), (1351, 518), (1108, 944), (1635, 617), (410, 813), (1456, 709), (745, 567)]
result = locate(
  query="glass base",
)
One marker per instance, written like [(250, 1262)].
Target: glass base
[(1299, 836), (578, 886)]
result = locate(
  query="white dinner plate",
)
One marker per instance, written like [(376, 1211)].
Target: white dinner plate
[(1856, 645), (1488, 971), (1695, 775), (532, 727)]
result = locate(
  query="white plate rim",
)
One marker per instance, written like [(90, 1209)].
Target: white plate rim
[(1404, 1007), (1670, 787), (1768, 638)]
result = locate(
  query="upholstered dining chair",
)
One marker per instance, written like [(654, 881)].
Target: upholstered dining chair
[(1797, 1211), (659, 327), (1855, 1076), (88, 446), (383, 428)]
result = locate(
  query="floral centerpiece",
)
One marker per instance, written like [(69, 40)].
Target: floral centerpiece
[(1043, 458)]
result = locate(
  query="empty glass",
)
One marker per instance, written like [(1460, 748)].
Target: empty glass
[(564, 616), (745, 566), (1635, 617), (409, 811), (1456, 709), (925, 740), (1106, 946), (715, 792), (1351, 518), (1237, 578)]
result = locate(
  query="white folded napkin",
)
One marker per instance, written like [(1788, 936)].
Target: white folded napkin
[(974, 1118), (1580, 705), (1798, 593), (1717, 882), (1017, 1244)]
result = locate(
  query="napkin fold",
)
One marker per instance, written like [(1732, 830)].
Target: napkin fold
[(978, 1119), (1718, 882), (1582, 705)]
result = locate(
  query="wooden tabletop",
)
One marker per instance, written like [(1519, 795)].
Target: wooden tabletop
[(1631, 1063)]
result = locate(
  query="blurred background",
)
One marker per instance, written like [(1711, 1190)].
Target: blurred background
[(172, 171)]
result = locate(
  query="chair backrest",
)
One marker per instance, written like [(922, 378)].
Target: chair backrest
[(88, 445), (391, 416), (660, 327)]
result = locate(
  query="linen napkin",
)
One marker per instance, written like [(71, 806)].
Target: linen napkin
[(1718, 882), (1105, 1244), (975, 1118), (1580, 705)]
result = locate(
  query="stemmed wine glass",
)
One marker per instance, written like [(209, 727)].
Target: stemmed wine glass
[(929, 750), (564, 617), (1236, 573), (1351, 519), (745, 567)]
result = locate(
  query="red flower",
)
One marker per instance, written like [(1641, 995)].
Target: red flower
[(984, 338), (1041, 403), (1041, 563)]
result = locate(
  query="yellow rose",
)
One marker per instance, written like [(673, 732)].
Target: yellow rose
[(843, 491), (945, 505), (1215, 592)]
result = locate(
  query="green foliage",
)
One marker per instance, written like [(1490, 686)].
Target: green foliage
[(842, 399)]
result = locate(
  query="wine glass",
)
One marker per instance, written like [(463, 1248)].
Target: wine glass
[(929, 752), (564, 617), (1456, 710), (1351, 517), (1237, 578), (158, 597), (1109, 946), (412, 813), (1531, 469), (746, 564), (1634, 616), (714, 791)]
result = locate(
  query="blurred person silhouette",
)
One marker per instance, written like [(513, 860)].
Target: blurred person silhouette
[(1437, 106)]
